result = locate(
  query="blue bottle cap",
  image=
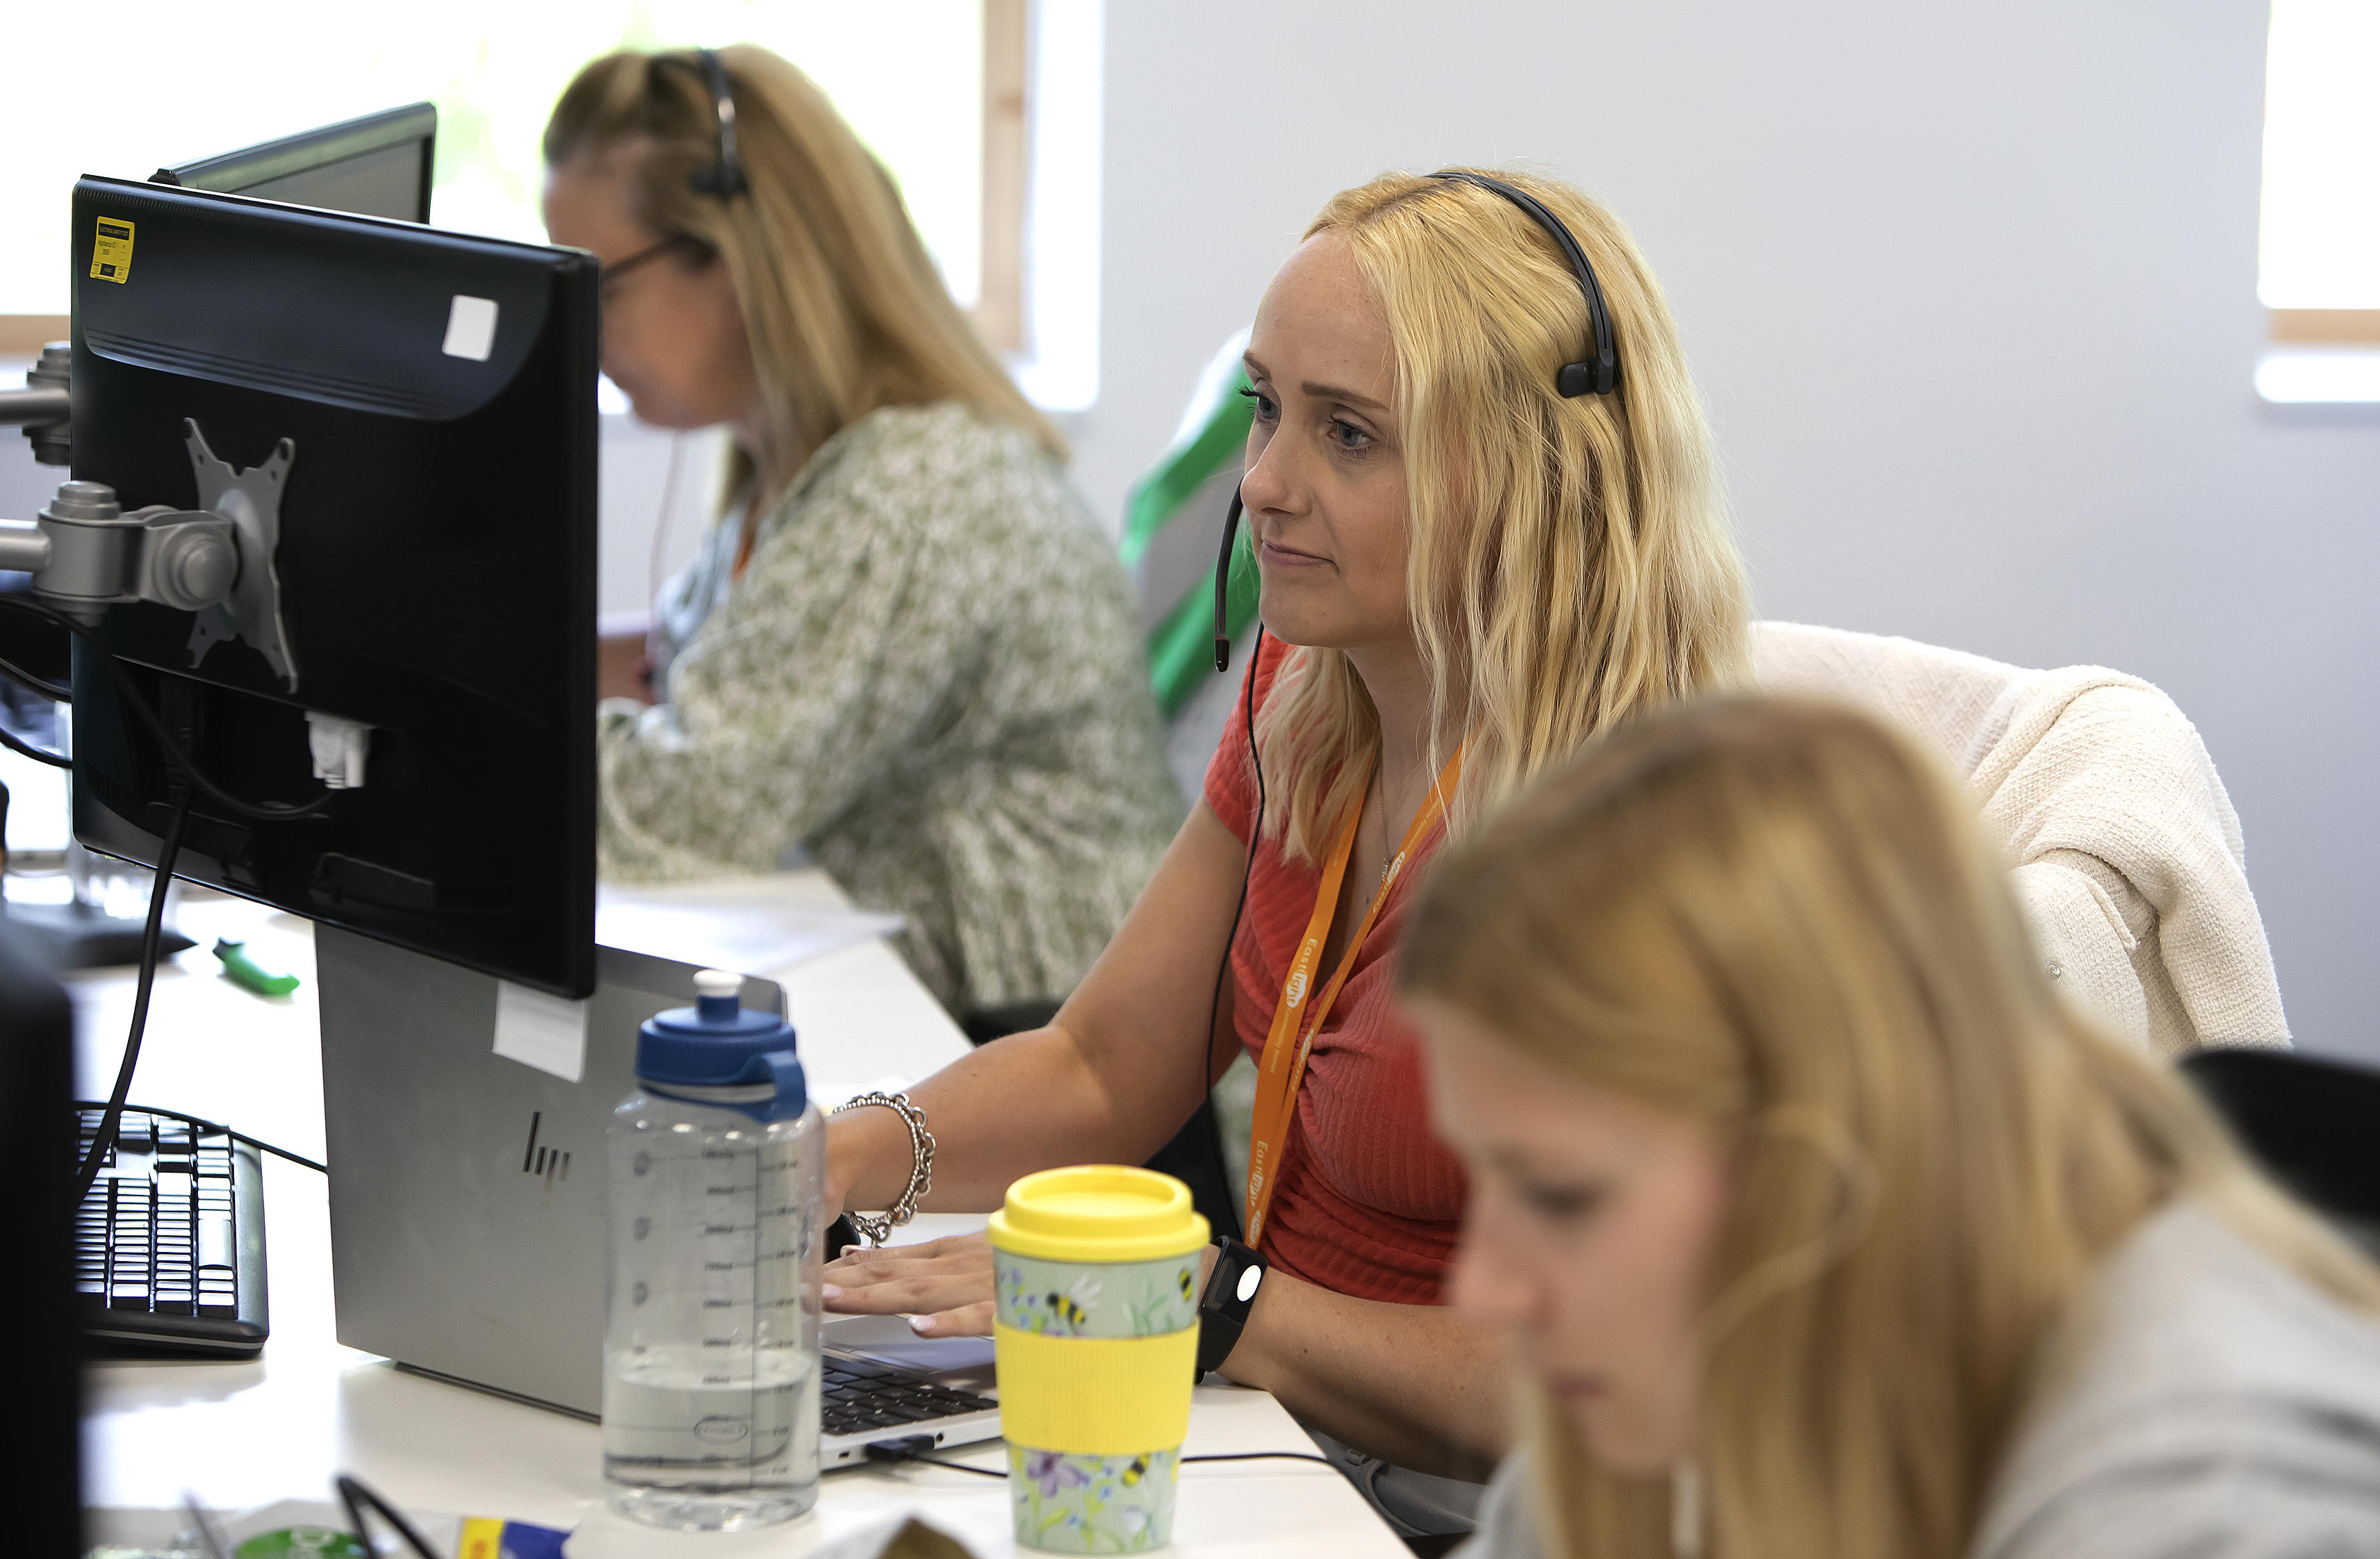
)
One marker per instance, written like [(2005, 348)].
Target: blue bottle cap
[(720, 1043)]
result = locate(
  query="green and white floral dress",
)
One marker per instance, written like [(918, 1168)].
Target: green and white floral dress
[(929, 676)]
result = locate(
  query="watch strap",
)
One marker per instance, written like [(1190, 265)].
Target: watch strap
[(1222, 1314)]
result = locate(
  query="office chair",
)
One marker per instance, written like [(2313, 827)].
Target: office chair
[(2312, 1122)]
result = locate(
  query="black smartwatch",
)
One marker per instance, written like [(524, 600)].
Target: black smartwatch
[(1223, 1308)]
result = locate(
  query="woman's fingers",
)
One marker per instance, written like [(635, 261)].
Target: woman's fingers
[(907, 1293), (856, 1268), (941, 1276), (966, 1321)]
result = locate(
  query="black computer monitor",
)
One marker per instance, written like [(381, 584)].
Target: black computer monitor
[(378, 166), (435, 564)]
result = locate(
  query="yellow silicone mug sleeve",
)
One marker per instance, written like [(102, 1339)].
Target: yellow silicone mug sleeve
[(1095, 1396)]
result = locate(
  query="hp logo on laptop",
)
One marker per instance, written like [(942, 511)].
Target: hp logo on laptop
[(551, 1164)]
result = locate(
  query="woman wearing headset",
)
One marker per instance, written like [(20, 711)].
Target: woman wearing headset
[(1817, 1225), (1467, 572), (905, 647)]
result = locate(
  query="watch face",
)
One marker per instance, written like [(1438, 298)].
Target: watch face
[(1248, 1281)]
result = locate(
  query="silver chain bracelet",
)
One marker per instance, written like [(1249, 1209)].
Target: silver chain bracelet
[(875, 1228)]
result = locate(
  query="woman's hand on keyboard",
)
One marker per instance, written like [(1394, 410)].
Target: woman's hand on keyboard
[(944, 1285)]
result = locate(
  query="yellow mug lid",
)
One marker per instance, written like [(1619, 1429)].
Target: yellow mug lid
[(1097, 1213)]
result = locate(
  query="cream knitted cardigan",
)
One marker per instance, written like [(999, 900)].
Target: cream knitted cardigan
[(2123, 846)]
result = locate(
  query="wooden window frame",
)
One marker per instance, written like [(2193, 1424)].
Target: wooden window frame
[(2325, 326), (999, 312), (24, 335)]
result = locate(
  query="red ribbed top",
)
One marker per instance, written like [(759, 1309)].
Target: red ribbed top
[(1366, 1201)]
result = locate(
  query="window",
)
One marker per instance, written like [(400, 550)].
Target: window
[(950, 93), (2318, 270)]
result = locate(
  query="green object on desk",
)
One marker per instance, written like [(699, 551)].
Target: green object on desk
[(301, 1543), (243, 971)]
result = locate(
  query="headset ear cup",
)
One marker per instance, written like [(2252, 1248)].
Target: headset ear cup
[(1576, 380), (724, 178)]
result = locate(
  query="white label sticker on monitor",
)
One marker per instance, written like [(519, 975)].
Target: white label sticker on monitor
[(545, 1031), (471, 328)]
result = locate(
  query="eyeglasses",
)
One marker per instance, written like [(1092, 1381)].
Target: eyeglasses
[(613, 274)]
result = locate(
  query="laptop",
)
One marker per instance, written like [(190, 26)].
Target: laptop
[(468, 1194)]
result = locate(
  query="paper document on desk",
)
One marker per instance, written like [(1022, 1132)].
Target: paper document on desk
[(751, 933)]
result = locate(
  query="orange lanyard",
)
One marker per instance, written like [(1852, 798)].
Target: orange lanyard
[(1292, 1039)]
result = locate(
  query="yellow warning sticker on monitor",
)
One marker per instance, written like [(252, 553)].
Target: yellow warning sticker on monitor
[(111, 250)]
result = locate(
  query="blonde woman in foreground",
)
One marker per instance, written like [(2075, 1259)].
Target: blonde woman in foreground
[(1816, 1225), (1456, 558)]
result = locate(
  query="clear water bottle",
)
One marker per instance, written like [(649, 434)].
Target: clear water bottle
[(711, 1350)]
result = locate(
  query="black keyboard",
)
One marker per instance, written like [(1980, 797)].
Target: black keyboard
[(169, 1244), (861, 1396)]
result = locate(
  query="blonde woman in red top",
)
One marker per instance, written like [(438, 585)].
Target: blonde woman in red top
[(1466, 573)]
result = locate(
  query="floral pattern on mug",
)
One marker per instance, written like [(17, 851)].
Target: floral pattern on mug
[(1092, 1504), (1082, 1299)]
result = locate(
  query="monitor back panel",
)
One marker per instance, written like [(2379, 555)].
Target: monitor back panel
[(435, 564), (467, 1188)]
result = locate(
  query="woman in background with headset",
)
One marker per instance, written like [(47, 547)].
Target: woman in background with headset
[(904, 646), (1479, 546), (1817, 1223)]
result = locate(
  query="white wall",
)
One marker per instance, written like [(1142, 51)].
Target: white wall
[(657, 492), (1971, 292)]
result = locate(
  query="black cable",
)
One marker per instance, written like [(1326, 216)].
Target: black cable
[(203, 1124), (262, 1146), (129, 691), (56, 692), (1266, 1456), (906, 1449), (1247, 870), (103, 1140), (356, 1495), (23, 748)]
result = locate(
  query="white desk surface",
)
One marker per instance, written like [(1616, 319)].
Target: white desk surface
[(243, 1436)]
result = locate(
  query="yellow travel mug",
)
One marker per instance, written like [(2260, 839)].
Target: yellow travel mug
[(1096, 1341)]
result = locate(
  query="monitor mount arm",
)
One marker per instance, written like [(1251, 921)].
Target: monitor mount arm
[(44, 407), (86, 554)]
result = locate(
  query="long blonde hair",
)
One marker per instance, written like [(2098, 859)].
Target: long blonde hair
[(1570, 560), (1782, 917), (843, 309)]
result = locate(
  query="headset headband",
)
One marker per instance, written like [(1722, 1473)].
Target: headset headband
[(724, 178), (1601, 376)]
